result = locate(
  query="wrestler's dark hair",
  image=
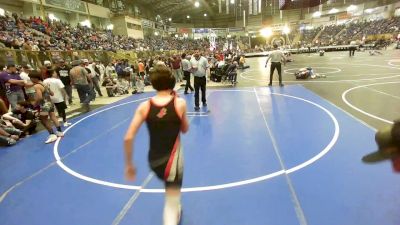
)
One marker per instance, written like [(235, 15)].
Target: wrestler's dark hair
[(396, 132), (161, 78), (35, 75)]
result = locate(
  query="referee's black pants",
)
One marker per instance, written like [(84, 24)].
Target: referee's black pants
[(186, 75), (199, 84), (278, 67)]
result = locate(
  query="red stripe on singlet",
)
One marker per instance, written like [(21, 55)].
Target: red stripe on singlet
[(171, 159)]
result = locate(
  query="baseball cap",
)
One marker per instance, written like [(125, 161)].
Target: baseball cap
[(76, 63), (85, 60), (386, 147), (47, 62)]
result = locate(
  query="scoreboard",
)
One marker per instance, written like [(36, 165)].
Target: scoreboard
[(297, 4)]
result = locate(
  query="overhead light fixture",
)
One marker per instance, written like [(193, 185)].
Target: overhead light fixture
[(52, 17), (351, 8), (169, 19), (196, 4), (156, 33), (316, 14), (266, 32), (205, 14), (232, 1), (110, 27), (247, 34), (333, 11), (369, 10), (188, 16), (286, 30), (86, 23)]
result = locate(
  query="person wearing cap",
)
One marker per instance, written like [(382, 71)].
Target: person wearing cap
[(388, 141), (63, 73), (44, 69), (15, 92), (30, 91), (80, 79)]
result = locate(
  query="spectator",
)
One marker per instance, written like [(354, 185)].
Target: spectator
[(22, 118), (59, 94)]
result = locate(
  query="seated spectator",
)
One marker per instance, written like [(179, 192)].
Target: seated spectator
[(9, 136), (22, 118)]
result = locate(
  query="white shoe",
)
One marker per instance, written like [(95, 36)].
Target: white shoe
[(59, 134), (66, 124), (51, 138)]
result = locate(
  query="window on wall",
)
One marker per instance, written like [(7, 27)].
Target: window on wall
[(134, 26)]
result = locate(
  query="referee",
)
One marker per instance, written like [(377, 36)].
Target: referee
[(199, 67), (276, 57)]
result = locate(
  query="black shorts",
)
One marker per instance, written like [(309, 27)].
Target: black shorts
[(60, 107)]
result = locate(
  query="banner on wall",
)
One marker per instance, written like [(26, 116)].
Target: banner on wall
[(75, 5), (147, 23), (184, 30), (172, 29), (236, 29), (200, 30)]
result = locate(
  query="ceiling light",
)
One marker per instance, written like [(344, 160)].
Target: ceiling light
[(351, 8), (333, 11), (232, 1), (188, 16), (316, 14), (286, 30), (266, 32), (196, 4), (110, 27), (169, 19), (369, 10), (205, 14)]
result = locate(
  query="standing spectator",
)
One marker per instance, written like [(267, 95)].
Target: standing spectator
[(199, 66), (63, 73), (141, 68), (15, 93), (45, 107), (30, 91), (102, 69), (186, 67), (176, 68), (110, 70), (95, 77), (81, 80), (59, 94)]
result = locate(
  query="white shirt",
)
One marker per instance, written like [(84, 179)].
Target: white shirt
[(276, 56), (110, 70), (55, 86), (24, 76), (201, 66), (186, 65)]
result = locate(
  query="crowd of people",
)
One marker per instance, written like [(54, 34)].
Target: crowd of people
[(354, 31), (35, 34), (30, 96)]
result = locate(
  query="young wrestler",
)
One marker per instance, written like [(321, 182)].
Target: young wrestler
[(45, 106), (165, 116)]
